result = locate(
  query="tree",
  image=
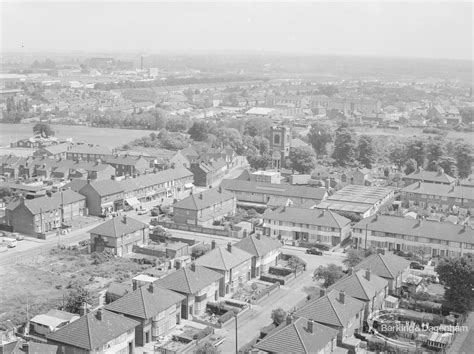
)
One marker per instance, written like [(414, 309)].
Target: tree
[(464, 159), (199, 131), (448, 164), (258, 162), (278, 316), (398, 156), (410, 166), (328, 274), (320, 135), (354, 257), (458, 275), (43, 129), (76, 298), (366, 151), (303, 159), (420, 296), (344, 147), (416, 150), (257, 126), (434, 153), (295, 262)]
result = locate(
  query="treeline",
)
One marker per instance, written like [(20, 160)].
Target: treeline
[(172, 81)]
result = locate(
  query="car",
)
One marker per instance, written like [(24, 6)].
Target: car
[(142, 211), (17, 236), (314, 251), (416, 265)]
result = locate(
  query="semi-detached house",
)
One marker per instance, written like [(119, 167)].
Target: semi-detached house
[(310, 225)]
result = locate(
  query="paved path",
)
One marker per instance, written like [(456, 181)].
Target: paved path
[(464, 341)]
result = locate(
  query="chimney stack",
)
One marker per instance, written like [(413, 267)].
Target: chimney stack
[(135, 285), (220, 189), (342, 296), (99, 314), (22, 199), (125, 219), (257, 236), (193, 266), (349, 271), (310, 325), (229, 247), (200, 196), (84, 309), (322, 292), (213, 244), (289, 319), (367, 274), (150, 288)]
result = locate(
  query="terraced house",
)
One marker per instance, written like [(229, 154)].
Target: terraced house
[(418, 236), (442, 197), (310, 225)]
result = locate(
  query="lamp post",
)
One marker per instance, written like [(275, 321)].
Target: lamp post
[(236, 335)]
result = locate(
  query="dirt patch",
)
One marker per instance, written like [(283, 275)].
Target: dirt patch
[(43, 282)]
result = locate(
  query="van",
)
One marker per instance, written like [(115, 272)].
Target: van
[(10, 242)]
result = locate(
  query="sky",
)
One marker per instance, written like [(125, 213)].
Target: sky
[(366, 28)]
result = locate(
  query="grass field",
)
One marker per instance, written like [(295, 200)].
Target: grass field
[(44, 281)]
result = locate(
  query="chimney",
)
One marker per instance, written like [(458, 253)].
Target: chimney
[(88, 181), (125, 219), (419, 184), (200, 196), (193, 266), (342, 296), (213, 244), (84, 309), (289, 319), (22, 199), (349, 271), (220, 189), (229, 247), (322, 292), (257, 236), (99, 314), (310, 325), (150, 288), (135, 285), (367, 274)]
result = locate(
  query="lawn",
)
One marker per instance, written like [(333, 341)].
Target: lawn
[(43, 283)]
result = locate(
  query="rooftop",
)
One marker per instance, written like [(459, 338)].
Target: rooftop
[(118, 226), (361, 286), (220, 258), (204, 199), (431, 176), (441, 190), (386, 265), (258, 245), (307, 216)]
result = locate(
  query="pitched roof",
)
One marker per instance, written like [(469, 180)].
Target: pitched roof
[(152, 179), (46, 203), (118, 226), (189, 281), (286, 190), (144, 303), (87, 149), (431, 176), (105, 187), (441, 190), (204, 199), (220, 258), (56, 149), (90, 332), (318, 217), (296, 338), (258, 246), (384, 265), (419, 228), (328, 309), (357, 285)]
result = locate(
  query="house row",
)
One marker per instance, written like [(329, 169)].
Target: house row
[(332, 318), (106, 196), (45, 214), (426, 237)]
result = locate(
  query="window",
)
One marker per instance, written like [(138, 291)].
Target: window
[(276, 139)]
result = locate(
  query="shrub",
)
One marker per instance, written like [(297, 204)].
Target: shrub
[(281, 272), (273, 279), (226, 317)]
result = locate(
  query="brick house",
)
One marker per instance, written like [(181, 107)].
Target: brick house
[(364, 286), (205, 207), (437, 177), (127, 165), (44, 214), (88, 152), (232, 262), (208, 173), (198, 284), (157, 311), (388, 266), (58, 151), (336, 310), (119, 234), (265, 252), (102, 197), (310, 225), (101, 331)]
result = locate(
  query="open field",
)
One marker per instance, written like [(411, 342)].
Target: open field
[(104, 136), (44, 281)]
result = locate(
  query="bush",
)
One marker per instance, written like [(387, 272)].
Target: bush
[(273, 279), (203, 333), (226, 317), (281, 272)]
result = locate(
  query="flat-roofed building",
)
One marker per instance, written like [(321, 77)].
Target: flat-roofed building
[(361, 200)]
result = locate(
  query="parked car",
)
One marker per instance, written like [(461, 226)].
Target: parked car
[(17, 236), (10, 242), (142, 211), (416, 265), (314, 251)]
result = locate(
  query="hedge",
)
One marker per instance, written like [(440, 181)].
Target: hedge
[(281, 272), (273, 279), (226, 317), (235, 304), (203, 333)]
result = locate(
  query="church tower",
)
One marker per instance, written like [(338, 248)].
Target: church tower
[(280, 139)]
